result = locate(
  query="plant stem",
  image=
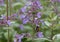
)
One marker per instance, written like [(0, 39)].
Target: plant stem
[(7, 8), (51, 33), (7, 18)]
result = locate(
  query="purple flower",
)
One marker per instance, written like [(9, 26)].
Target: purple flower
[(15, 40), (28, 4), (9, 17), (25, 21), (9, 22), (14, 15), (1, 2), (36, 21), (39, 14), (2, 21), (42, 22), (23, 9), (22, 16), (39, 34), (19, 37), (21, 27), (39, 4), (58, 0)]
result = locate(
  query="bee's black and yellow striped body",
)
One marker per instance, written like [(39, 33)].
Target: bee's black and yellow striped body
[(37, 28)]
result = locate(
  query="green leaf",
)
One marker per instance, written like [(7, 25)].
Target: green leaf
[(41, 40), (28, 29), (47, 23), (24, 39), (56, 38)]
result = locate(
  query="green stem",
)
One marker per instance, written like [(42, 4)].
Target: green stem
[(7, 17), (7, 8), (51, 33)]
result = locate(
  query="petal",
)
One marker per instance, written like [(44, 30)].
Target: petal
[(21, 27), (9, 22), (39, 14), (22, 16), (39, 34), (25, 20)]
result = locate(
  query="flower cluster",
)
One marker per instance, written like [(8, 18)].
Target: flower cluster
[(19, 37), (5, 21), (30, 12)]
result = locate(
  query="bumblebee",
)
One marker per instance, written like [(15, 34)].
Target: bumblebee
[(37, 28)]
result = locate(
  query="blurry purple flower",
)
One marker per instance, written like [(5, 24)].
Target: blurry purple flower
[(21, 27), (5, 17), (58, 0), (39, 4), (25, 20), (52, 0), (9, 17), (23, 9), (39, 34), (42, 22), (28, 4), (15, 40), (59, 15), (39, 14), (14, 15), (29, 12), (2, 21), (19, 37), (9, 22), (1, 2), (22, 16), (19, 40), (36, 21)]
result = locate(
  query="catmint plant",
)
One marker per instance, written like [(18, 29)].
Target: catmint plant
[(29, 20), (30, 14)]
